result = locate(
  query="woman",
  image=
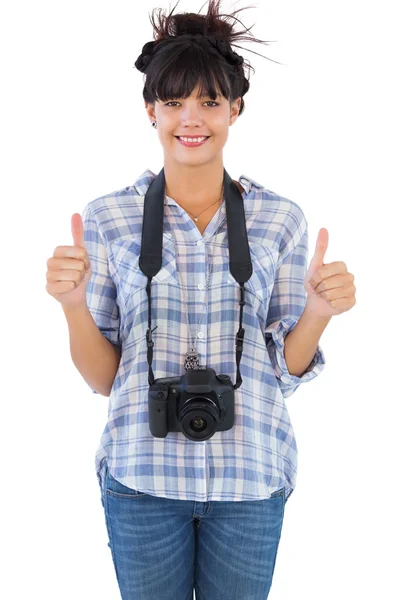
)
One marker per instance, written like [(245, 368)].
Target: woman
[(184, 513)]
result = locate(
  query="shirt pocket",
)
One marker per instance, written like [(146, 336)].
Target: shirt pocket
[(264, 260), (168, 272), (130, 278)]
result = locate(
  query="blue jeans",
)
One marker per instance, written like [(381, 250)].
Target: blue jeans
[(163, 548)]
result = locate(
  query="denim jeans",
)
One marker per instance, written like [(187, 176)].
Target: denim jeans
[(165, 548)]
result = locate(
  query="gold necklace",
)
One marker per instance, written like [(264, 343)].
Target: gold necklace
[(197, 218)]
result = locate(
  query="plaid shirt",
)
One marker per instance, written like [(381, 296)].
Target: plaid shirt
[(259, 454)]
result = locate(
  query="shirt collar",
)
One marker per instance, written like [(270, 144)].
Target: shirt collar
[(143, 182)]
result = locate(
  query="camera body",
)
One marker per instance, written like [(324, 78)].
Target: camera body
[(198, 404)]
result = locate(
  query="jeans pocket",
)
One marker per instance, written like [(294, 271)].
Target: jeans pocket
[(277, 501), (280, 492), (115, 488)]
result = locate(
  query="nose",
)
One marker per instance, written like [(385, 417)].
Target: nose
[(190, 116)]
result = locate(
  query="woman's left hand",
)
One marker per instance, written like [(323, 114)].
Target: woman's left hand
[(330, 287)]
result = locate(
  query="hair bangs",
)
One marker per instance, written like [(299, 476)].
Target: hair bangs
[(180, 73)]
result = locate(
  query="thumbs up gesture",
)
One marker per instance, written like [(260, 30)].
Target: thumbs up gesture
[(69, 270), (330, 287)]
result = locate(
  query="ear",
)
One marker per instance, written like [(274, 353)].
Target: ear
[(234, 108), (150, 109)]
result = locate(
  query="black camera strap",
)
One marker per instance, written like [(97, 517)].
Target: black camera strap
[(150, 260)]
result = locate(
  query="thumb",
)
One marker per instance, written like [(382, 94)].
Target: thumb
[(77, 230), (320, 249)]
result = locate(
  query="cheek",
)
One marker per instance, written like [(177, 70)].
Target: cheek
[(223, 134)]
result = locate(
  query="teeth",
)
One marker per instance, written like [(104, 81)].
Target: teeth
[(185, 139)]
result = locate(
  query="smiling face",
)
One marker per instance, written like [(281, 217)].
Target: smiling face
[(193, 117)]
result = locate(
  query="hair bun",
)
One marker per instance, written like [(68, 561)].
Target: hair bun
[(145, 57)]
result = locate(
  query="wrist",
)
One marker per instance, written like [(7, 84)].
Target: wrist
[(310, 315)]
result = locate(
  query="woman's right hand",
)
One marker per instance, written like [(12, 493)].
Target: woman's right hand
[(69, 270)]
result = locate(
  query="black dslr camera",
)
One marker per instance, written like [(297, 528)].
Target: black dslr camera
[(198, 404)]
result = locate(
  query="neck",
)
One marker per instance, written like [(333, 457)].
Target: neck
[(194, 187)]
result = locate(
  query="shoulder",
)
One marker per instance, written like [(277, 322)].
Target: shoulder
[(276, 218), (270, 200), (117, 214)]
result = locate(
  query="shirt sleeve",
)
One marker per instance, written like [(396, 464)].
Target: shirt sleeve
[(286, 305), (101, 292)]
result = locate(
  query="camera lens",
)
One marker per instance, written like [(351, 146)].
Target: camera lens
[(199, 418), (198, 423)]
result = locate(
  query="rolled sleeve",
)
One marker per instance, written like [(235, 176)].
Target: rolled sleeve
[(101, 292), (286, 306)]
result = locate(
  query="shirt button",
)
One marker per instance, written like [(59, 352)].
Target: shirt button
[(200, 334), (201, 286), (199, 243)]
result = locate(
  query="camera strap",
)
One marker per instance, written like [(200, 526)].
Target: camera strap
[(150, 260)]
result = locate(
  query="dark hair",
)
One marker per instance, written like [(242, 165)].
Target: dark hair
[(181, 56)]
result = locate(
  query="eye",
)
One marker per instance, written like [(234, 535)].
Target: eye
[(208, 102)]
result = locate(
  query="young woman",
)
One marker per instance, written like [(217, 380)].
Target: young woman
[(185, 513)]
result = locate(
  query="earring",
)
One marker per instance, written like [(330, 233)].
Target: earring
[(154, 124)]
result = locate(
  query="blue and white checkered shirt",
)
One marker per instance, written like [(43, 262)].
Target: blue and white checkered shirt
[(259, 454)]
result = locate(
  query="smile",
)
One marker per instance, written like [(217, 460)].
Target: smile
[(191, 144)]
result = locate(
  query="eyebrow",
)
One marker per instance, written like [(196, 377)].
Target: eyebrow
[(207, 96)]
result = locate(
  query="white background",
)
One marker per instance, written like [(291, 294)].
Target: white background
[(322, 129)]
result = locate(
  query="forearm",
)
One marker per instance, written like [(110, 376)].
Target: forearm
[(95, 357), (301, 343)]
